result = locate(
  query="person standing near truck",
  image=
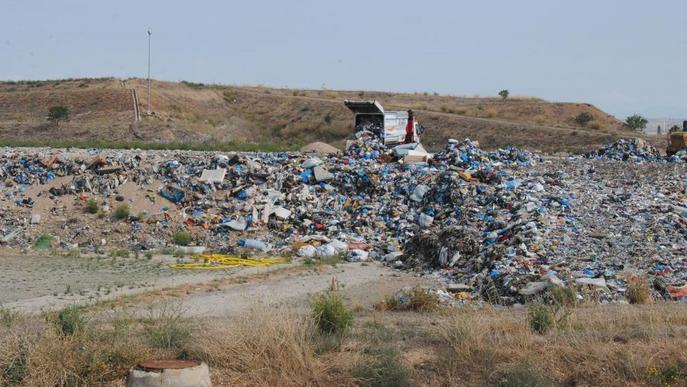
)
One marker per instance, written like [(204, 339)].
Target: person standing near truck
[(410, 128)]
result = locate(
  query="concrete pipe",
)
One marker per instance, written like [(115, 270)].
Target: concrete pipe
[(169, 373)]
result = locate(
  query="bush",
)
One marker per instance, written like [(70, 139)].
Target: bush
[(43, 242), (58, 113), (583, 119), (193, 85), (636, 122), (328, 118), (122, 212), (330, 313), (565, 296), (385, 368), (638, 292), (419, 300), (70, 320), (540, 317), (181, 238), (92, 206)]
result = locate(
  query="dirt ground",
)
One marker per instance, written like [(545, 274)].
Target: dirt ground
[(48, 282), (363, 284), (32, 283)]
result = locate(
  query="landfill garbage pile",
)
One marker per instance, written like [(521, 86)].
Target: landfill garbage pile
[(468, 155), (678, 157), (627, 149), (503, 226)]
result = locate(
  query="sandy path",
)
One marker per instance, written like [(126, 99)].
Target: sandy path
[(363, 285), (47, 282)]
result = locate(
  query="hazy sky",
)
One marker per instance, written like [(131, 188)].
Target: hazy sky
[(625, 56)]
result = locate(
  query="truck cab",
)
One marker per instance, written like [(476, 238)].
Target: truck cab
[(677, 140), (389, 126)]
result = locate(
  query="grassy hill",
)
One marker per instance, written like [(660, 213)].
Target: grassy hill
[(102, 113)]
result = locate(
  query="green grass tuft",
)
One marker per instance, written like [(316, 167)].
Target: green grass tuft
[(331, 314), (44, 241), (122, 212), (182, 238), (540, 317)]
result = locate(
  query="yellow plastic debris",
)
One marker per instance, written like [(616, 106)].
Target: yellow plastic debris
[(221, 261)]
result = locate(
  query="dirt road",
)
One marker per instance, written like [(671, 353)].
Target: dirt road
[(36, 283), (362, 284)]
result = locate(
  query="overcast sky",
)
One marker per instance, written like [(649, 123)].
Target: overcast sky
[(625, 56)]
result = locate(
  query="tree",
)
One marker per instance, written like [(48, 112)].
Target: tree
[(583, 119), (504, 93), (636, 122), (58, 113)]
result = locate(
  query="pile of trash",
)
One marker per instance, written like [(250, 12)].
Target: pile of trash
[(627, 149), (468, 155), (501, 226), (678, 157)]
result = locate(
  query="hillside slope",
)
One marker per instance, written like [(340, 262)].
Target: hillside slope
[(103, 110)]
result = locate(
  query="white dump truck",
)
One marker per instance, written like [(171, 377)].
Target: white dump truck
[(390, 126)]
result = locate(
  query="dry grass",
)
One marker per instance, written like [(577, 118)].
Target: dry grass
[(417, 300), (235, 118), (613, 345), (638, 291), (263, 348)]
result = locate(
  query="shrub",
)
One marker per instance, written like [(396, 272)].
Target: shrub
[(181, 238), (70, 320), (58, 113), (92, 206), (193, 85), (638, 292), (583, 119), (385, 368), (565, 296), (540, 317), (330, 313), (122, 212), (419, 300), (636, 122), (43, 242)]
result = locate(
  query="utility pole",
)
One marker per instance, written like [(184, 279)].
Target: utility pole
[(149, 108)]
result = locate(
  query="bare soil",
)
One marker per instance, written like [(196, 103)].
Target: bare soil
[(103, 110)]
